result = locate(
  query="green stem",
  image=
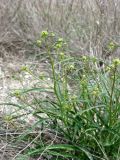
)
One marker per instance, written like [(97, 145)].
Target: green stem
[(111, 95)]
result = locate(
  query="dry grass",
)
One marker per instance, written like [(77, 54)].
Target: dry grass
[(87, 25)]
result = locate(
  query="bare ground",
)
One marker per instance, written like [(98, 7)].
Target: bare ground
[(11, 78)]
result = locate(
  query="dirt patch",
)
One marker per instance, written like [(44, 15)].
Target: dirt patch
[(11, 79)]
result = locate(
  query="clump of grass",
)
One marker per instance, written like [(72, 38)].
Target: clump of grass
[(80, 116)]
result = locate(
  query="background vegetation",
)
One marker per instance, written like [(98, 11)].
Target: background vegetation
[(87, 25)]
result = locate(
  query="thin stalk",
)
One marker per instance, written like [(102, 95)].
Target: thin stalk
[(111, 95)]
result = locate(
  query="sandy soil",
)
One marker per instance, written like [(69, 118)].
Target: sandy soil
[(11, 78)]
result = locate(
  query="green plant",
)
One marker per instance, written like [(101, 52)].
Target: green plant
[(82, 108)]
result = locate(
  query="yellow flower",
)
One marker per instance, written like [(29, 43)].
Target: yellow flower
[(39, 42), (58, 45), (62, 55), (116, 61), (17, 93), (67, 107), (84, 58), (95, 92), (72, 67), (53, 34), (44, 34), (84, 76), (111, 46), (60, 40), (83, 82)]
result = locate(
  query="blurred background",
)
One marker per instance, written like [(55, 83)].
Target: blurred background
[(88, 26)]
